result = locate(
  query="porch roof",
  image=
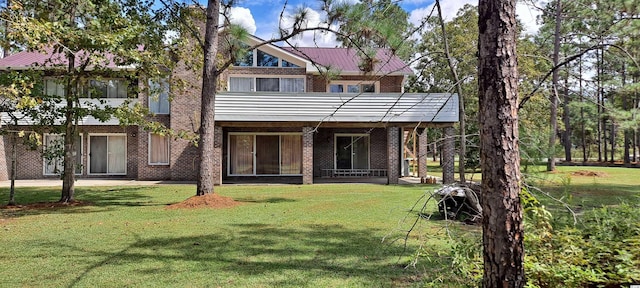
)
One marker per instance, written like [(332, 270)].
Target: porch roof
[(337, 107)]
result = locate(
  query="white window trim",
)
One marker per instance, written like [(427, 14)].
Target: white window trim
[(254, 152), (89, 153), (255, 60), (353, 82), (149, 152), (254, 76), (44, 161), (335, 147), (87, 84), (150, 98)]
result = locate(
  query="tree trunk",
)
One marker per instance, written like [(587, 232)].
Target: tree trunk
[(582, 126), (599, 102), (566, 116), (208, 99), (68, 174), (461, 120), (499, 152), (14, 168), (551, 161)]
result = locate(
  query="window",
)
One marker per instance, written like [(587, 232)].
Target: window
[(352, 87), (159, 97), (267, 60), (111, 88), (247, 84), (291, 84), (265, 154), (288, 64), (158, 149), (240, 84), (54, 154), (53, 87), (268, 84), (246, 60)]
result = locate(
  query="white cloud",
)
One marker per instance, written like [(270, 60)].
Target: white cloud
[(310, 38), (243, 17), (450, 8)]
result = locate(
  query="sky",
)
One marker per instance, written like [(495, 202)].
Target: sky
[(260, 17)]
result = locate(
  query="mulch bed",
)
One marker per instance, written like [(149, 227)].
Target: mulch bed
[(212, 200), (589, 173)]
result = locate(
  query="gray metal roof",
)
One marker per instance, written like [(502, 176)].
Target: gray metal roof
[(337, 107)]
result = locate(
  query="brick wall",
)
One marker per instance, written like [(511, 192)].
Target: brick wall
[(307, 155), (393, 152), (388, 84)]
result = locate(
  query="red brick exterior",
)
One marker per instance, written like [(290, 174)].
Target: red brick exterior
[(422, 152), (307, 155), (393, 154)]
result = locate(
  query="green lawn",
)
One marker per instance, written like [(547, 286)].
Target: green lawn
[(282, 236)]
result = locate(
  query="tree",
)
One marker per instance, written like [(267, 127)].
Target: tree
[(86, 40), (499, 151)]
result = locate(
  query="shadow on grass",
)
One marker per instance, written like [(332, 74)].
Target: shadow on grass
[(261, 254), (266, 200), (33, 201), (589, 196)]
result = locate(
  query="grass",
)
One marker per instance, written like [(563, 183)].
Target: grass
[(282, 236)]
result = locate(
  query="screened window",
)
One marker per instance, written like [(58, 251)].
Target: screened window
[(159, 97), (266, 59), (53, 152), (268, 84), (336, 88), (158, 149), (265, 154)]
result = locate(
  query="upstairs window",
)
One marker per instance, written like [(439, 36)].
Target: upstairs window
[(246, 60), (267, 60), (53, 87), (262, 84), (109, 88), (159, 97), (352, 87), (288, 64)]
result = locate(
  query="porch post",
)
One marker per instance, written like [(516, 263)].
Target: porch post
[(393, 155), (307, 155), (448, 154), (422, 152), (217, 155)]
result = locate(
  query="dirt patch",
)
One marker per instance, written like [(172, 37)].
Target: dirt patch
[(44, 205), (589, 173), (213, 201)]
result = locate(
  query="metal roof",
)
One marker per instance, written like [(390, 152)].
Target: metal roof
[(337, 107), (347, 60)]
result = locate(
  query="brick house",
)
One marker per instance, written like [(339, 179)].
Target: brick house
[(279, 118)]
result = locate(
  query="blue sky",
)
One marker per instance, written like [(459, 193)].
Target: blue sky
[(260, 17)]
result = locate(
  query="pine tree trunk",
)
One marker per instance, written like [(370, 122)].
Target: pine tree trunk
[(566, 120), (208, 99), (499, 152), (553, 118)]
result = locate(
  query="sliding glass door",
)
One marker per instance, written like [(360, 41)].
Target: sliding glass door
[(264, 154), (352, 151), (108, 154)]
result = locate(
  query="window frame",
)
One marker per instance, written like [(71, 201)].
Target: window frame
[(149, 142), (160, 98), (44, 161), (360, 84), (254, 82), (254, 163)]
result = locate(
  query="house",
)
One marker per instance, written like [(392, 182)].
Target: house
[(279, 118)]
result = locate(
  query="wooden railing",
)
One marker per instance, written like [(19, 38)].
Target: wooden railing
[(328, 173)]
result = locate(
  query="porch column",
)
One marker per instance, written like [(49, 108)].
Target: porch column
[(393, 155), (307, 155), (448, 154), (217, 155), (422, 152)]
